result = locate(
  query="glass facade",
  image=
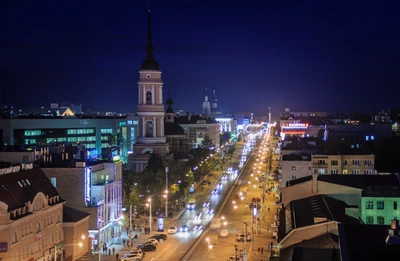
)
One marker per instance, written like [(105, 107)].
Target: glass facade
[(46, 137)]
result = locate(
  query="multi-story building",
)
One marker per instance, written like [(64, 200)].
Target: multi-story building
[(97, 190), (343, 164), (376, 196), (76, 227), (294, 167), (101, 135), (197, 128), (31, 216), (227, 124)]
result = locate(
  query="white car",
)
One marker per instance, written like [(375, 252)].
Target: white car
[(172, 230), (131, 257), (153, 241), (138, 252)]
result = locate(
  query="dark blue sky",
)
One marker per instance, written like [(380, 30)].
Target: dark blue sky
[(306, 55)]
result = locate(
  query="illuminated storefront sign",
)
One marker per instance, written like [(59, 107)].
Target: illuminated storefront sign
[(294, 126), (88, 184)]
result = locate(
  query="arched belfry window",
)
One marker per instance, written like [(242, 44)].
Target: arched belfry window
[(148, 97), (149, 129)]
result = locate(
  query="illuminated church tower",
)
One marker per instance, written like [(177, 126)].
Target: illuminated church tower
[(150, 111)]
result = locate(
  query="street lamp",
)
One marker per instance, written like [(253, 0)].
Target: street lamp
[(149, 200), (166, 192)]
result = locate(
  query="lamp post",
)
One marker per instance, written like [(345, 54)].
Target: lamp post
[(166, 192), (149, 200)]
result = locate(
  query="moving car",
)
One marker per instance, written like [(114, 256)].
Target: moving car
[(184, 228), (198, 216), (214, 192), (224, 177), (206, 204), (172, 230), (198, 227), (210, 211), (191, 204)]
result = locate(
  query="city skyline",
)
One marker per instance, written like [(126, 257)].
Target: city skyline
[(305, 57)]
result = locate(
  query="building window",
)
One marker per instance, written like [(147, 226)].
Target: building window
[(58, 218), (14, 237), (38, 227), (148, 97), (345, 162), (23, 231), (369, 204), (149, 129), (368, 172), (334, 162), (54, 181), (395, 205), (369, 220), (323, 171), (380, 205), (293, 167), (356, 162), (380, 220), (334, 171), (368, 162), (355, 171)]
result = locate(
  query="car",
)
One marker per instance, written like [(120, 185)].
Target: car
[(224, 233), (172, 230), (148, 248), (131, 257), (163, 236), (197, 228), (224, 177), (210, 211), (206, 204), (153, 241), (198, 216), (214, 192), (184, 228), (138, 252), (219, 186), (158, 237)]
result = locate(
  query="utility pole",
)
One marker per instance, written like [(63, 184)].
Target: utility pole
[(99, 244), (166, 192), (130, 218), (235, 253), (149, 213), (245, 241)]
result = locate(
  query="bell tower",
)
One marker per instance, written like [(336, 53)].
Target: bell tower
[(150, 110)]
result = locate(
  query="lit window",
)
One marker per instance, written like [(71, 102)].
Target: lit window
[(380, 205), (369, 204), (14, 237), (380, 220), (54, 181)]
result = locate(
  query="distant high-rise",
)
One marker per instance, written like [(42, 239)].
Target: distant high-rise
[(206, 105), (214, 105)]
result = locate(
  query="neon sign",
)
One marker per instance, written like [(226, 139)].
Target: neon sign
[(295, 126), (88, 184)]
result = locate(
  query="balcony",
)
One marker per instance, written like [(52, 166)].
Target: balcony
[(320, 165)]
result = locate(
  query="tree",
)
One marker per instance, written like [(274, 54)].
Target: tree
[(130, 191), (207, 142)]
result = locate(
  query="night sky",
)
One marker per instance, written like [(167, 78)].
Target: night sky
[(306, 55)]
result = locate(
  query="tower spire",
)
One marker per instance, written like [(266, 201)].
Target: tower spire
[(149, 63)]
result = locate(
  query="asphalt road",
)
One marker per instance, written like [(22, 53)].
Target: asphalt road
[(236, 217), (176, 246)]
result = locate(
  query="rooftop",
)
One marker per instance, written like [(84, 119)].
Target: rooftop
[(18, 188), (367, 243), (372, 185), (312, 210), (73, 215)]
